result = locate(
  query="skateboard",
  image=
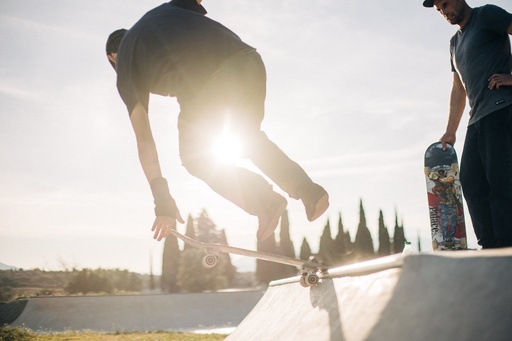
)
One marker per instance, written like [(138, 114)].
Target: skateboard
[(444, 193), (311, 271)]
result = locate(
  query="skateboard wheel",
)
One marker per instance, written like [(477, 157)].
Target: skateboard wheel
[(312, 279), (209, 261)]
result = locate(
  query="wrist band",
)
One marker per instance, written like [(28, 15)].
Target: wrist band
[(164, 203)]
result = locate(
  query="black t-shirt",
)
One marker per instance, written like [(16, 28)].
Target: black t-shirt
[(171, 51), (479, 50)]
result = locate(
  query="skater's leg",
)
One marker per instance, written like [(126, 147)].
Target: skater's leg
[(476, 190), (495, 149)]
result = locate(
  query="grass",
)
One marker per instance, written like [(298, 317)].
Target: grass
[(20, 334)]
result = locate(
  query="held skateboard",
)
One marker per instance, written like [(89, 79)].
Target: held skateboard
[(310, 271), (444, 193)]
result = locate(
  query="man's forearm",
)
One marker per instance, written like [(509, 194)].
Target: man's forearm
[(149, 161), (457, 105), (146, 146)]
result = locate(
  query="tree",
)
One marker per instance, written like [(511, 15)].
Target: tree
[(267, 271), (170, 264), (88, 281), (305, 250), (191, 276), (190, 231), (398, 237), (229, 268), (325, 251), (384, 242), (340, 247), (206, 230), (363, 243), (285, 247)]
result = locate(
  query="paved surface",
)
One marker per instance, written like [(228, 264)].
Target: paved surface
[(463, 295), (216, 312)]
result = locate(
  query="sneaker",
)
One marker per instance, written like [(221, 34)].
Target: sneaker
[(268, 219), (315, 199)]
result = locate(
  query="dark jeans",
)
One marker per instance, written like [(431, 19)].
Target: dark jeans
[(235, 95), (486, 178)]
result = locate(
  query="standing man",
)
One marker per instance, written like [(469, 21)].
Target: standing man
[(218, 80), (481, 66)]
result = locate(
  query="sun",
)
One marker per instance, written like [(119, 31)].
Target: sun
[(227, 148)]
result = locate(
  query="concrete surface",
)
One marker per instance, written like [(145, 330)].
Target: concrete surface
[(215, 312), (463, 295)]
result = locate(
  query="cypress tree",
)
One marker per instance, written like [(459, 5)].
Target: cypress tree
[(363, 242), (384, 242), (286, 247), (325, 251), (340, 244), (189, 232), (305, 250), (398, 237), (170, 264)]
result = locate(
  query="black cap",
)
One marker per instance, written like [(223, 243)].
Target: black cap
[(428, 3)]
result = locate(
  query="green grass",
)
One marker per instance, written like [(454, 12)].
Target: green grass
[(20, 334)]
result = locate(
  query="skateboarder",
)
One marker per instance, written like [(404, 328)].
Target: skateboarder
[(218, 80), (481, 66)]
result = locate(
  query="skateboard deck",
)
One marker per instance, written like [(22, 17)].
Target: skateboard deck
[(444, 193), (311, 272)]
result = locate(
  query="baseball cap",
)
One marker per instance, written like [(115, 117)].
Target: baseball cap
[(428, 3)]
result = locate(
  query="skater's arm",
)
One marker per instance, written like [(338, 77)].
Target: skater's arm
[(457, 105), (165, 208), (146, 146)]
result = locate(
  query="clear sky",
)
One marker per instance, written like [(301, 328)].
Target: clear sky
[(357, 90)]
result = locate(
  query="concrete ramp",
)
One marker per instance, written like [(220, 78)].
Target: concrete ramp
[(213, 312), (463, 295)]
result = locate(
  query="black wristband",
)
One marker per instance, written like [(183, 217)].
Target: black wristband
[(164, 203)]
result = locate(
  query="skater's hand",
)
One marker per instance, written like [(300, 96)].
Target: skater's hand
[(498, 80), (163, 225), (449, 138)]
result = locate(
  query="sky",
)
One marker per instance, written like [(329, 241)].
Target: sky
[(356, 91)]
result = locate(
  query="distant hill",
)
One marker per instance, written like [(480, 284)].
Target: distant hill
[(7, 267)]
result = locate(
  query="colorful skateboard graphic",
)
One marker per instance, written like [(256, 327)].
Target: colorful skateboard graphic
[(444, 193)]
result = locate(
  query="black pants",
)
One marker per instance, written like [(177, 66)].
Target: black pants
[(486, 178), (235, 96)]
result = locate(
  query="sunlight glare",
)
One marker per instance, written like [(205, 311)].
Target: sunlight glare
[(227, 148)]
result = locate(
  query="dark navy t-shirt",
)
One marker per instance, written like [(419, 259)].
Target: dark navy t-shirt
[(479, 50), (171, 51)]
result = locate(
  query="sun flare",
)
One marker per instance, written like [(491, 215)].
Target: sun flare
[(227, 148)]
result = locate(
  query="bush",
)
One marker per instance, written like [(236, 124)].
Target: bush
[(88, 281), (6, 294), (15, 334)]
